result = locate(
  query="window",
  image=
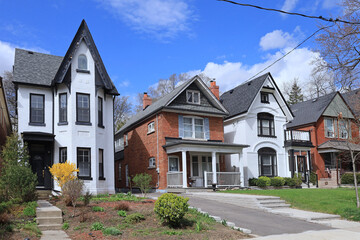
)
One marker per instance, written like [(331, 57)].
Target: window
[(62, 154), (126, 140), (151, 127), (82, 62), (119, 175), (63, 108), (267, 162), (101, 164), (330, 127), (100, 112), (344, 130), (193, 96), (173, 164), (37, 108), (195, 166), (264, 97), (266, 124), (194, 128), (84, 162), (82, 108), (152, 163)]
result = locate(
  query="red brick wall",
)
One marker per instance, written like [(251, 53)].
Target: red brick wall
[(142, 146)]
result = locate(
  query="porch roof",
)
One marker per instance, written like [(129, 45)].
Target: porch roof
[(38, 136), (337, 145), (178, 145)]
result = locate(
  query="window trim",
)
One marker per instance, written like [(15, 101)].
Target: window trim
[(66, 109), (77, 163), (30, 120), (347, 128), (126, 140), (100, 113), (334, 127), (267, 96), (62, 148), (153, 128), (77, 110), (266, 116), (78, 67), (192, 93), (178, 162), (154, 161), (193, 127), (273, 158), (101, 170)]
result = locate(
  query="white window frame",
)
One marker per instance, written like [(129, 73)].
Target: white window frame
[(152, 162), (347, 129), (86, 62), (178, 163), (151, 127), (334, 127), (192, 92), (126, 140), (193, 127)]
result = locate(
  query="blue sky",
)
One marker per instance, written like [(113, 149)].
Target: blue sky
[(141, 41)]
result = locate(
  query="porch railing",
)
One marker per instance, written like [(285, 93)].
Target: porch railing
[(297, 136), (174, 179), (224, 179)]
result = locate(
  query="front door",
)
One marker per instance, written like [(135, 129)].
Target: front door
[(37, 165), (40, 160), (199, 165), (301, 162)]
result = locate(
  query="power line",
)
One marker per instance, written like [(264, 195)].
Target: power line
[(279, 59), (290, 13)]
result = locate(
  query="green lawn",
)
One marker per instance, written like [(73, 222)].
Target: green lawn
[(340, 201)]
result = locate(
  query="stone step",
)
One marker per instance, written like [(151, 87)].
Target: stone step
[(267, 198), (52, 212), (283, 205), (50, 227), (272, 202), (49, 220)]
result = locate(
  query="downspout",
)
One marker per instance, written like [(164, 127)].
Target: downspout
[(157, 152)]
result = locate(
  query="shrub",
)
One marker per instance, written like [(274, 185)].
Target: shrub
[(65, 226), (112, 231), (122, 213), (134, 218), (122, 206), (86, 198), (142, 181), (171, 208), (298, 180), (348, 178), (313, 178), (16, 178), (30, 210), (97, 209), (352, 214), (72, 189), (277, 181), (96, 226), (5, 206), (263, 181), (290, 182), (253, 181), (63, 172)]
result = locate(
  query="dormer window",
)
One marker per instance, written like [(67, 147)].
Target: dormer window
[(193, 96), (82, 62), (265, 97), (151, 127)]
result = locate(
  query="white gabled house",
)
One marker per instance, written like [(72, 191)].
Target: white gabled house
[(65, 112), (258, 114)]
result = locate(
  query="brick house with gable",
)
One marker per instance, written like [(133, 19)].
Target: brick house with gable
[(182, 132)]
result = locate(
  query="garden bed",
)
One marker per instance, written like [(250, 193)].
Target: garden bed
[(102, 213)]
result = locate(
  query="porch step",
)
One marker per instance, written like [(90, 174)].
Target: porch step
[(327, 183), (43, 194), (176, 190), (49, 220), (50, 227), (48, 217)]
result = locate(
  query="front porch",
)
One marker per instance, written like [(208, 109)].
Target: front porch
[(201, 164)]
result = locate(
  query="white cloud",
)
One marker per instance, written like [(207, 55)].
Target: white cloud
[(329, 4), (288, 6), (278, 39), (160, 18), (124, 84)]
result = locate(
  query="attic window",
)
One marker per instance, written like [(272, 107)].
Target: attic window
[(265, 97), (193, 96), (82, 62)]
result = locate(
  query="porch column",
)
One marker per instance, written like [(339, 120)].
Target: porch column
[(184, 169), (308, 168), (241, 170), (213, 163)]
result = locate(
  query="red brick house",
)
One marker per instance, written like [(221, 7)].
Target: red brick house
[(5, 124), (331, 123), (182, 132)]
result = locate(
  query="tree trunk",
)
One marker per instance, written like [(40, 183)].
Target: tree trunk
[(355, 180)]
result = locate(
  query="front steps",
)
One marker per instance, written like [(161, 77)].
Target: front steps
[(48, 217), (273, 202), (43, 194)]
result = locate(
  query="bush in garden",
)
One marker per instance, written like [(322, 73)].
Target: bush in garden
[(263, 181), (17, 181), (289, 182), (171, 208), (97, 209), (112, 231), (348, 178), (122, 206), (277, 182), (313, 178), (86, 198), (134, 218), (298, 179), (142, 181), (63, 172), (252, 181), (72, 190), (96, 226), (30, 210), (121, 213)]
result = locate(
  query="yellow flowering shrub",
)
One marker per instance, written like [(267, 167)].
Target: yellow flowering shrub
[(63, 172)]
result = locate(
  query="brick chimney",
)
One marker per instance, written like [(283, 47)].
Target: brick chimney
[(214, 88), (146, 100)]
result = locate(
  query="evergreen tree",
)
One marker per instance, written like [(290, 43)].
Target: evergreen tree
[(295, 95)]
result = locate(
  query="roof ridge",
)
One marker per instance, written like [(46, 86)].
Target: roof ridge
[(246, 82), (326, 95)]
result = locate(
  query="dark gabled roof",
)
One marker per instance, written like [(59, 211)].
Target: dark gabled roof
[(163, 102), (308, 112), (35, 68), (239, 99), (352, 98), (339, 145), (83, 34)]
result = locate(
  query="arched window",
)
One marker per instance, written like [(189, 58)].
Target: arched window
[(267, 162), (82, 62), (266, 124)]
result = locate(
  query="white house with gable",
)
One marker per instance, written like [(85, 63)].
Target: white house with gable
[(65, 111), (258, 114)]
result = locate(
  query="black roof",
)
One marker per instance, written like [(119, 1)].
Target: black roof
[(308, 112), (35, 68), (202, 143), (352, 98)]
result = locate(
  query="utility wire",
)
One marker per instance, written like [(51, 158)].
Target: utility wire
[(290, 13), (279, 59)]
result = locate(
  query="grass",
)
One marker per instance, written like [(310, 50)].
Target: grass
[(97, 209), (30, 209), (341, 201), (114, 198)]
